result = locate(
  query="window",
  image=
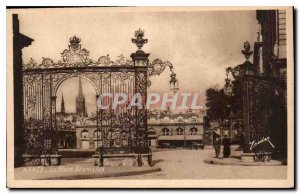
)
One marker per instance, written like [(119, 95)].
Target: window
[(84, 134), (193, 131), (194, 119), (165, 132), (97, 134), (179, 131)]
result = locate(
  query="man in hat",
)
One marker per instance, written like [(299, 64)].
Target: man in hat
[(217, 142), (226, 146), (217, 146)]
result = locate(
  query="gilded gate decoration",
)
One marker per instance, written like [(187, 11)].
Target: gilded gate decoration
[(121, 128)]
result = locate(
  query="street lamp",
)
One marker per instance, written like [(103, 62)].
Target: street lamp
[(174, 83), (228, 87)]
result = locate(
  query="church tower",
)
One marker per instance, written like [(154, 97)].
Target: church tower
[(62, 105), (80, 102)]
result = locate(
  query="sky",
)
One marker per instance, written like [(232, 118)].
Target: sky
[(200, 44)]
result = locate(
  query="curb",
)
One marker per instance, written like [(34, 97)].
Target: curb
[(239, 163)]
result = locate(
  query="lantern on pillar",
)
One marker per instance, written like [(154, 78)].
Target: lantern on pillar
[(174, 83), (228, 87)]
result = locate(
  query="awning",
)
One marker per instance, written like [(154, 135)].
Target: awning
[(180, 137)]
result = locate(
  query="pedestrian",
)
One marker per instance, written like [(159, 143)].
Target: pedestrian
[(217, 146), (242, 140), (226, 146)]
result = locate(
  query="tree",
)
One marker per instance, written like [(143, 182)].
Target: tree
[(236, 101), (218, 104)]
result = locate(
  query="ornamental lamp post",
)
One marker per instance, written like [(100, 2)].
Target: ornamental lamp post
[(228, 87), (174, 83)]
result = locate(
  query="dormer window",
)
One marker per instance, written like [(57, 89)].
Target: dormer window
[(180, 120)]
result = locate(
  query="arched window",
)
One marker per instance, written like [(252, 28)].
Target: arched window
[(97, 134), (84, 134), (179, 131), (165, 131), (193, 131)]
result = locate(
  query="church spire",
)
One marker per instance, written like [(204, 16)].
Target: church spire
[(80, 101), (62, 105), (80, 93)]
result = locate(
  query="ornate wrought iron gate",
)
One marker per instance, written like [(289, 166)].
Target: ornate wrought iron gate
[(267, 114), (122, 130)]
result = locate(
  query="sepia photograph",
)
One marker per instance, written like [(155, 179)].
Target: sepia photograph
[(150, 97)]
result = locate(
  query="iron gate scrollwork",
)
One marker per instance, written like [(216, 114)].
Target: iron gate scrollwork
[(41, 83), (266, 100), (119, 129)]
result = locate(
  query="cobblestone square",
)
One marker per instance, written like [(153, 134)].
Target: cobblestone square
[(189, 164)]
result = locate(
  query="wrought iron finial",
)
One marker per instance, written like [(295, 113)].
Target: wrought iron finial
[(75, 40), (139, 40), (246, 52), (74, 43)]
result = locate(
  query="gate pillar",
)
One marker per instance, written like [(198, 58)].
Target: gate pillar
[(140, 61)]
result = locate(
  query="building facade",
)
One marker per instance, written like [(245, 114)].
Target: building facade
[(175, 129), (77, 130)]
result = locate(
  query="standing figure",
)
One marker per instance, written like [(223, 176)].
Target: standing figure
[(242, 140), (217, 146), (226, 146)]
